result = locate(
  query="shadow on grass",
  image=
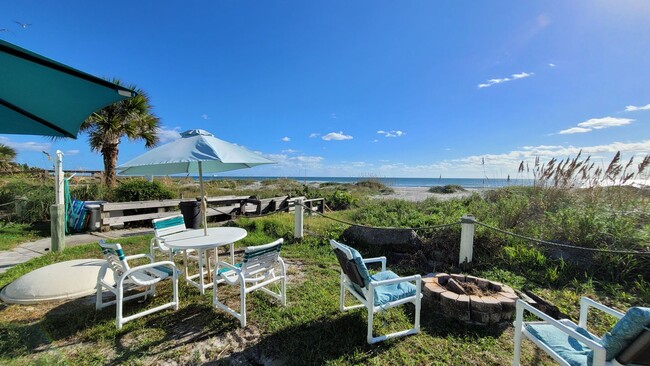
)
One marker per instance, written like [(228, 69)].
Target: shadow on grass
[(312, 343)]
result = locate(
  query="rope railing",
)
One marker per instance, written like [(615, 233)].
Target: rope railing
[(546, 242)]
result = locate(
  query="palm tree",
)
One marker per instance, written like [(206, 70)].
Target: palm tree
[(131, 118), (7, 155)]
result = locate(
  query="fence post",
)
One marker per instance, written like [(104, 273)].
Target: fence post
[(298, 219), (466, 240)]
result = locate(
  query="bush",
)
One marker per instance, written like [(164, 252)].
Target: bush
[(140, 190), (341, 200), (449, 188)]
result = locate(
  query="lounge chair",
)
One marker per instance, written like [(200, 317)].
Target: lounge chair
[(377, 292), (126, 278), (569, 344), (255, 272)]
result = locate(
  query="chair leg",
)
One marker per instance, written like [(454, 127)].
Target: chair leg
[(242, 304), (118, 307), (98, 298), (370, 323), (518, 326), (342, 296)]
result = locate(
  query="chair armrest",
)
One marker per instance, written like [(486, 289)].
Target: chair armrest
[(227, 265), (416, 278), (150, 265), (138, 256), (381, 260), (599, 350), (586, 303)]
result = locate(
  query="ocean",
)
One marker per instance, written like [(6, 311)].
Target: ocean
[(400, 182)]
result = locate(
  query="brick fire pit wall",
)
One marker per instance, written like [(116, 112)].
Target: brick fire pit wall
[(496, 308)]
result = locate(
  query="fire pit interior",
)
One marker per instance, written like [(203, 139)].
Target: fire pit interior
[(469, 299)]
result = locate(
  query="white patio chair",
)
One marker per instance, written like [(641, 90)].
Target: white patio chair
[(255, 272), (127, 278), (164, 227), (569, 344), (376, 292)]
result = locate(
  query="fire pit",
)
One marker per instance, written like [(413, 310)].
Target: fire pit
[(469, 299)]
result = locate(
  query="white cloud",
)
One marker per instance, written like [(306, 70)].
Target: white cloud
[(551, 65), (573, 130), (313, 135), (289, 151), (71, 152), (512, 77), (333, 115), (308, 159), (166, 134), (375, 140), (597, 124), (286, 139), (337, 136), (391, 133), (632, 108), (25, 146), (205, 117)]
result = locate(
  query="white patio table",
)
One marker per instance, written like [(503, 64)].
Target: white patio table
[(197, 240)]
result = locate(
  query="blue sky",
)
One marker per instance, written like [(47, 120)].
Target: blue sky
[(363, 88)]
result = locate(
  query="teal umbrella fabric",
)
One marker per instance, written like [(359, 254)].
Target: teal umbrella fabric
[(196, 152), (39, 96)]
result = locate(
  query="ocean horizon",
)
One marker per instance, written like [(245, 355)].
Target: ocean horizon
[(396, 182)]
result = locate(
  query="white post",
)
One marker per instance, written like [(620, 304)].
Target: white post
[(298, 219), (57, 211), (466, 239), (58, 176)]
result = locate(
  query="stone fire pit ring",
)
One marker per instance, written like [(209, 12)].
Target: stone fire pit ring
[(496, 307)]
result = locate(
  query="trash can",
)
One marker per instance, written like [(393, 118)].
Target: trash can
[(191, 211), (94, 214)]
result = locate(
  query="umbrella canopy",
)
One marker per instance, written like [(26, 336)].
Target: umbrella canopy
[(39, 96), (186, 153), (196, 152)]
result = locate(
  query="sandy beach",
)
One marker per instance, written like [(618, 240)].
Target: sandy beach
[(416, 194)]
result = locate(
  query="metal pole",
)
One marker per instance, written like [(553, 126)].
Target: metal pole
[(298, 219), (58, 176), (466, 239), (204, 207)]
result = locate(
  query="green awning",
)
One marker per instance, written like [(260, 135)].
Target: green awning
[(39, 96)]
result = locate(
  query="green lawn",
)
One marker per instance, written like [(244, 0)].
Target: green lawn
[(309, 330)]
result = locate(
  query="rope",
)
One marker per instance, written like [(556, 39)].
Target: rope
[(375, 227), (539, 241)]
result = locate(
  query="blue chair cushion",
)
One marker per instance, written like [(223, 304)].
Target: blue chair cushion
[(358, 260), (625, 331), (570, 349), (388, 293)]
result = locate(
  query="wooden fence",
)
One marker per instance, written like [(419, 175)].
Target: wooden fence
[(119, 213)]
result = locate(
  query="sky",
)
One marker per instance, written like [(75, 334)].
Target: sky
[(365, 88)]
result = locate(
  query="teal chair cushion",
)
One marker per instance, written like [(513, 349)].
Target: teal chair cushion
[(626, 330), (388, 293), (223, 270), (570, 349), (358, 260)]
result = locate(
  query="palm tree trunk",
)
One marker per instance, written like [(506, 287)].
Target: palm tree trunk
[(109, 152)]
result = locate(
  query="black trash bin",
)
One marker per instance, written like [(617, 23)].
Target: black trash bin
[(191, 211)]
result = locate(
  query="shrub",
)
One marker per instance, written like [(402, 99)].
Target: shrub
[(449, 188), (341, 200), (141, 190)]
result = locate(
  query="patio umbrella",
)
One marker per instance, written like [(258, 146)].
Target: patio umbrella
[(196, 152), (39, 96)]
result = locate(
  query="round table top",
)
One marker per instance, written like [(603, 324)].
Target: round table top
[(196, 239)]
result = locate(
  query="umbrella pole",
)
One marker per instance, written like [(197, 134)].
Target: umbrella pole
[(204, 209)]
